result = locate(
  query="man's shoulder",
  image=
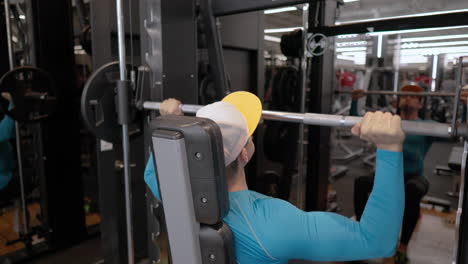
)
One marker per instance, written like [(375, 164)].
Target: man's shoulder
[(258, 200), (251, 194), (248, 195)]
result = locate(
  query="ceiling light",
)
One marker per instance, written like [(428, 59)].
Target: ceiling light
[(433, 44), (380, 46), (342, 57), (275, 56), (434, 66), (351, 43), (413, 59), (280, 10), (406, 31), (280, 30), (350, 1), (455, 56), (351, 49), (434, 51), (355, 54), (434, 38), (405, 16), (356, 60), (348, 36), (272, 39), (23, 17)]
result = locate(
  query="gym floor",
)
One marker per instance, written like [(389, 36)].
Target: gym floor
[(88, 252), (432, 242)]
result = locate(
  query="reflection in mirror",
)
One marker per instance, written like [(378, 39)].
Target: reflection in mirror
[(83, 70), (380, 62), (353, 11), (284, 91), (19, 160), (424, 61), (24, 220)]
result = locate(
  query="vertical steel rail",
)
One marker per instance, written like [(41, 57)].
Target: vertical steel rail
[(461, 194), (17, 130), (125, 137), (300, 157)]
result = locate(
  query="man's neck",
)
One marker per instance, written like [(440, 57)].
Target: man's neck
[(237, 182), (413, 115)]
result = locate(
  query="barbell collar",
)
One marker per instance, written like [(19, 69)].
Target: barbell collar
[(124, 92)]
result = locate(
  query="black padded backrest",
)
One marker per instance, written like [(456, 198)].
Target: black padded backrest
[(216, 244), (206, 171), (206, 164)]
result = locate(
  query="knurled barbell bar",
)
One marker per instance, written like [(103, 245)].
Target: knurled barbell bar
[(410, 127)]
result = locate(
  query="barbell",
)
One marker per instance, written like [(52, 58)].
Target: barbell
[(409, 127), (434, 94), (99, 112)]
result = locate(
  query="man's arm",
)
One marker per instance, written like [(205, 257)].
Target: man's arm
[(322, 236), (7, 125), (356, 95), (150, 177), (7, 129), (168, 107), (464, 101), (353, 109), (329, 237)]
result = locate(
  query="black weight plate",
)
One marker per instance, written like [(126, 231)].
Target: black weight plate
[(98, 106), (207, 90), (32, 92), (85, 40)]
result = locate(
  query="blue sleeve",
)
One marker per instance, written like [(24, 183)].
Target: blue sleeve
[(150, 177), (322, 236), (353, 111), (7, 129)]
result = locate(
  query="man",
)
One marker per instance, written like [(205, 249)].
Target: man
[(415, 149), (268, 230)]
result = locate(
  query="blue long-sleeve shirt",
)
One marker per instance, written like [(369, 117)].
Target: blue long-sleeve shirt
[(272, 231), (7, 162)]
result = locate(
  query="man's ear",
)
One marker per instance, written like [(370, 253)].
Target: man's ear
[(243, 156)]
